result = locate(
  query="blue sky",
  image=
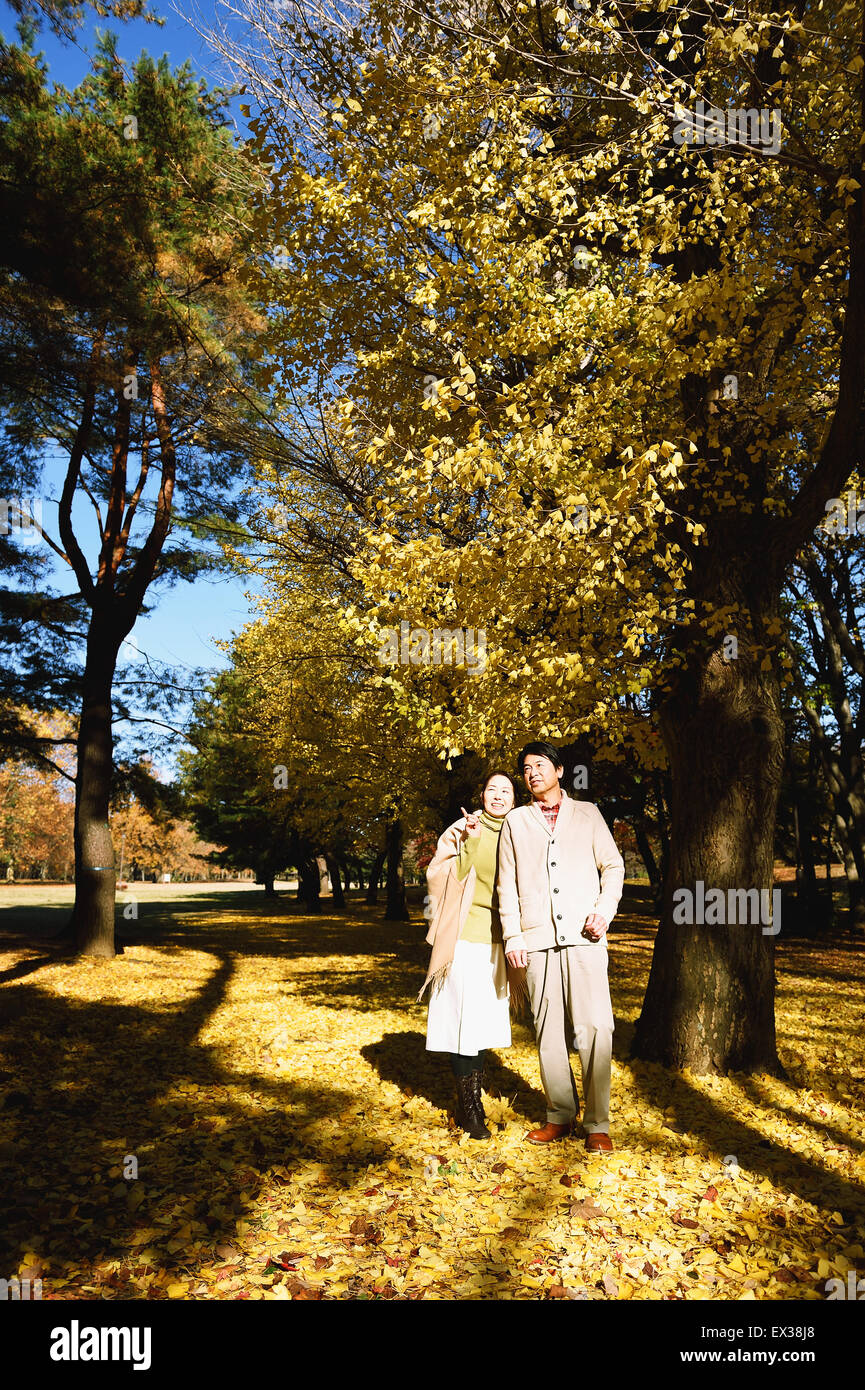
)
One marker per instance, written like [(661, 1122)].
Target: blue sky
[(69, 63), (189, 618)]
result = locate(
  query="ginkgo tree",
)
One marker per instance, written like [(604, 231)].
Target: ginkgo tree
[(338, 754), (587, 285)]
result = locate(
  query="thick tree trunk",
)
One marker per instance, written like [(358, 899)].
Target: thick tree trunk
[(310, 885), (95, 877), (396, 910), (709, 1005), (375, 877), (266, 877), (335, 881)]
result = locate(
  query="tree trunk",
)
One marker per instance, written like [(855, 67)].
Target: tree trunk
[(663, 821), (806, 870), (854, 869), (310, 885), (374, 877), (267, 877), (95, 877), (709, 1004), (396, 910), (649, 861), (335, 881)]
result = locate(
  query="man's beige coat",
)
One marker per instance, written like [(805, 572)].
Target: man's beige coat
[(551, 880)]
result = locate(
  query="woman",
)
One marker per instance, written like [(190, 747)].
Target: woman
[(468, 1006)]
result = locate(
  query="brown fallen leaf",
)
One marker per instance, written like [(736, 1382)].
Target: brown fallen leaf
[(563, 1291), (610, 1287), (585, 1211), (363, 1229), (303, 1292), (499, 1168)]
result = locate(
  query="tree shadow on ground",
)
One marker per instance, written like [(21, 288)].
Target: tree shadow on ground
[(83, 1084), (702, 1119), (402, 1059), (26, 967)]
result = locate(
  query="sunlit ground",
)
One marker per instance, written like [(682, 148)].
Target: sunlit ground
[(266, 1071)]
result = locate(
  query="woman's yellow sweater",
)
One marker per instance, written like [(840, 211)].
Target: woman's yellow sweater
[(480, 852)]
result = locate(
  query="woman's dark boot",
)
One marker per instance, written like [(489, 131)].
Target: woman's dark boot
[(477, 1080), (469, 1115)]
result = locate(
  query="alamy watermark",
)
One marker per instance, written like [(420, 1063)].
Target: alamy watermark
[(713, 907), (77, 1343), (439, 646), (22, 518), (731, 125), (18, 1290), (845, 516), (852, 1288)]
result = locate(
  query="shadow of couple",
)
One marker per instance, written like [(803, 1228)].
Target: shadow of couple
[(402, 1059)]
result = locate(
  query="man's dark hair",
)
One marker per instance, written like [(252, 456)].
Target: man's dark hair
[(539, 750)]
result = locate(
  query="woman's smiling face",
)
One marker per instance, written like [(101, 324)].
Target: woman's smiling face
[(498, 796)]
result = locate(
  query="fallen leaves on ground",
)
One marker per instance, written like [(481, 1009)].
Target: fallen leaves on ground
[(266, 1072)]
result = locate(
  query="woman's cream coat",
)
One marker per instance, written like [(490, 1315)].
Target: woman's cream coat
[(450, 903)]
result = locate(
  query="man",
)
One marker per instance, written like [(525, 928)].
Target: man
[(559, 884)]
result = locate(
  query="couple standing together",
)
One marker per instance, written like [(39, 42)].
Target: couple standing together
[(522, 898)]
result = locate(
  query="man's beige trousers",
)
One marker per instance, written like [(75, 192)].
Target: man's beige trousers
[(570, 997)]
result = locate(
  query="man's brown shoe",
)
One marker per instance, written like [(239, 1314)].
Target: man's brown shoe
[(549, 1132), (599, 1143)]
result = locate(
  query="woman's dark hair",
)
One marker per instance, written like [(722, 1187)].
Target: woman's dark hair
[(539, 750), (498, 772)]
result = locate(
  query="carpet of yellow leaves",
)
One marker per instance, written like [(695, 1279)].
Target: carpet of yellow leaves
[(268, 1074)]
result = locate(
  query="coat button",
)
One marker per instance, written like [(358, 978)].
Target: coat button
[(555, 890), (558, 917), (552, 863)]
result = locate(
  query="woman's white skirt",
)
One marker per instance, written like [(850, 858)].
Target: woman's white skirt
[(470, 1010)]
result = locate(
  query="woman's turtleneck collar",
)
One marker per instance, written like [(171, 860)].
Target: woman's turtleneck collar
[(492, 822)]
